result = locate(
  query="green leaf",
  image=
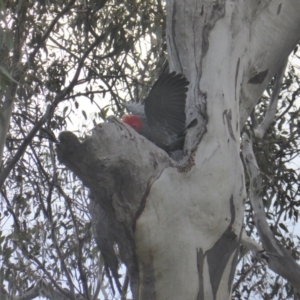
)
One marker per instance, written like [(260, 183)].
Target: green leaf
[(282, 226), (65, 110), (6, 73)]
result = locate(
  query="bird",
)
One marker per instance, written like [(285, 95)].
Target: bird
[(161, 116)]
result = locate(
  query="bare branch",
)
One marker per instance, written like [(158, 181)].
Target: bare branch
[(278, 258)]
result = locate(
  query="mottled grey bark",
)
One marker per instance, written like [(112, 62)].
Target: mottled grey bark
[(118, 166)]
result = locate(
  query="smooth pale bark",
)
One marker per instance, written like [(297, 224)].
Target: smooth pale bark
[(178, 224), (229, 50)]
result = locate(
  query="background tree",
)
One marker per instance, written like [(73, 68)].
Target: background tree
[(52, 53)]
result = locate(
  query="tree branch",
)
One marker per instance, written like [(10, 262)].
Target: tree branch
[(56, 245), (251, 90), (24, 145), (29, 256), (49, 30), (291, 103), (256, 249), (279, 259), (243, 276), (100, 278), (59, 98), (261, 129), (45, 289)]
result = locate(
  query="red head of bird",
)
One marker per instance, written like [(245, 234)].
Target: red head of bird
[(133, 121)]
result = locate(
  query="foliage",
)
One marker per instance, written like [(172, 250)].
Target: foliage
[(63, 63), (277, 155)]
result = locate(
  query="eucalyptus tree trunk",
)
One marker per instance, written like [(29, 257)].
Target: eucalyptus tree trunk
[(178, 225)]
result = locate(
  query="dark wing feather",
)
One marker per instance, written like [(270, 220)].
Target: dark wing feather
[(165, 104)]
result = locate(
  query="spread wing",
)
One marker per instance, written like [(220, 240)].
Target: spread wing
[(165, 104)]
